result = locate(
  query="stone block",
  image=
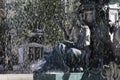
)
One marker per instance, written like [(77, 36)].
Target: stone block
[(57, 76)]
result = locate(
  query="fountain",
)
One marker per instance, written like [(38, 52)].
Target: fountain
[(85, 58)]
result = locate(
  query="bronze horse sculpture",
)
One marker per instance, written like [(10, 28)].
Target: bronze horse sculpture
[(74, 58)]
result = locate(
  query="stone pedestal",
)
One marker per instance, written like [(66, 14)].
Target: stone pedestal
[(57, 76)]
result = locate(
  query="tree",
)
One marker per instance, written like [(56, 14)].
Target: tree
[(39, 14), (2, 31), (115, 1)]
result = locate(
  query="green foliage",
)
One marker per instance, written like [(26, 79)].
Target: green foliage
[(39, 14), (114, 1), (2, 32)]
